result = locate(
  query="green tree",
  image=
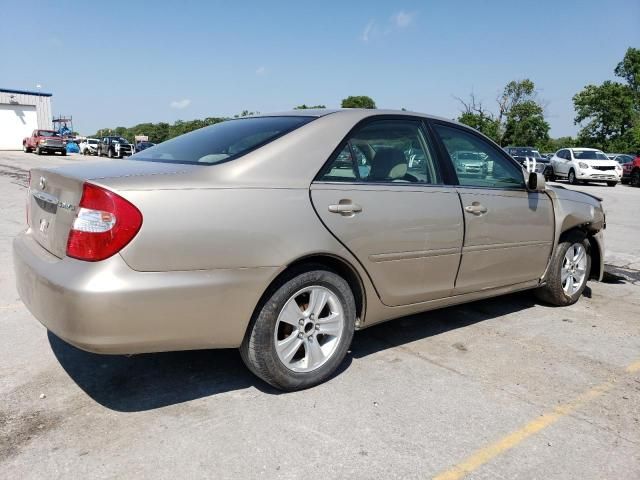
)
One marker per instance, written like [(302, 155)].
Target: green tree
[(304, 106), (361, 101), (525, 125), (609, 114), (520, 118)]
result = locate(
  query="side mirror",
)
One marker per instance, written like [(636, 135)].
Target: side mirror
[(536, 182)]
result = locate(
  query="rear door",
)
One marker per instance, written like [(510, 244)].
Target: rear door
[(382, 195), (508, 230)]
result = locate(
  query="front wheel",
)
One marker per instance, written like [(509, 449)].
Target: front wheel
[(611, 184), (635, 178), (572, 177), (38, 151), (109, 154), (568, 272), (301, 332)]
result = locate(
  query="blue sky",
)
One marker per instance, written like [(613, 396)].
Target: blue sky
[(122, 63)]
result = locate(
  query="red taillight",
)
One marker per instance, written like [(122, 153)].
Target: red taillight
[(28, 195), (105, 224)]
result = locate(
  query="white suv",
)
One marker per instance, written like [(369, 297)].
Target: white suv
[(88, 146), (585, 165)]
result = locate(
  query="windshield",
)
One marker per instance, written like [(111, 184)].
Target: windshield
[(48, 133), (119, 140), (222, 141), (526, 152), (624, 159), (589, 155), (92, 142)]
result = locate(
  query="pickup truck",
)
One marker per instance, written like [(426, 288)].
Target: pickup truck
[(44, 141), (114, 146)]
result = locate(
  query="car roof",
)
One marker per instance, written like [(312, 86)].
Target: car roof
[(586, 149), (361, 112)]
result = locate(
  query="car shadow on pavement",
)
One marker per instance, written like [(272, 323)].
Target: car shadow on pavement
[(429, 324), (149, 381)]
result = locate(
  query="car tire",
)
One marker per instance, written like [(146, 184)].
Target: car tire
[(305, 356), (611, 184), (63, 153), (562, 292), (109, 154), (571, 177), (26, 149), (38, 151), (634, 181)]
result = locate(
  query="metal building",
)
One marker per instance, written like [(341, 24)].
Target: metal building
[(21, 112)]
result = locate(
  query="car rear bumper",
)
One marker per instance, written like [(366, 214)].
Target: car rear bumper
[(106, 307)]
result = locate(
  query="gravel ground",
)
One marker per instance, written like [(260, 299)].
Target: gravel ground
[(503, 388)]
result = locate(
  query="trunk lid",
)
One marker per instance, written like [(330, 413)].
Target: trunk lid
[(54, 194)]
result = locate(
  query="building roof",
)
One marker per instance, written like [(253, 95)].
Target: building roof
[(25, 92)]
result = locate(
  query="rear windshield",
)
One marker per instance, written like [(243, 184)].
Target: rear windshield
[(220, 142), (589, 155), (48, 133)]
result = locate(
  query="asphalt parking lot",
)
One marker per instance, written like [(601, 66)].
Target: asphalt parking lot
[(502, 388)]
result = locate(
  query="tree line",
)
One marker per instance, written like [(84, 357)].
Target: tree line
[(608, 114)]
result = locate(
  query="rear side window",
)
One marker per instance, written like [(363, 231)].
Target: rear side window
[(477, 162), (385, 151), (221, 142)]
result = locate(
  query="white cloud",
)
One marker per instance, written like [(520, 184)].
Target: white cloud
[(368, 31), (180, 104), (402, 19), (261, 71)]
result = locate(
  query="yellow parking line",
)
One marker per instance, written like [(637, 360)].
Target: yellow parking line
[(15, 305), (484, 455)]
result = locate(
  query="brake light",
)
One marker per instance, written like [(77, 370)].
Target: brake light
[(104, 225)]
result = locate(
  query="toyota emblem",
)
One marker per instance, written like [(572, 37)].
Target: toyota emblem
[(43, 183)]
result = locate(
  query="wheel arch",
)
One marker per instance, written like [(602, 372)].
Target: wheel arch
[(582, 232), (330, 262)]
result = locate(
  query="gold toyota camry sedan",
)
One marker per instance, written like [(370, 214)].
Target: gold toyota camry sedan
[(282, 234)]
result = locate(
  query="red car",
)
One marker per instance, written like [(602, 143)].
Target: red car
[(44, 141), (631, 172)]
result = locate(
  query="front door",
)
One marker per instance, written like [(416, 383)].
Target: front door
[(382, 196), (508, 230)]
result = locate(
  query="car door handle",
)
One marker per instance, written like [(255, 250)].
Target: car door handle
[(345, 209), (476, 208)]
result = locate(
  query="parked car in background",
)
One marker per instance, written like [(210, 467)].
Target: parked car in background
[(89, 146), (300, 244), (469, 163), (44, 141), (140, 146), (533, 156), (585, 165), (114, 147), (631, 172), (621, 158)]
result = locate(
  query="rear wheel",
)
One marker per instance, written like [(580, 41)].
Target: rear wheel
[(572, 177), (26, 149), (301, 332), (568, 272)]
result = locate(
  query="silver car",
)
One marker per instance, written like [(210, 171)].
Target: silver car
[(282, 234)]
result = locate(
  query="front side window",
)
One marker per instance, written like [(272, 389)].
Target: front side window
[(385, 151), (221, 142), (478, 163)]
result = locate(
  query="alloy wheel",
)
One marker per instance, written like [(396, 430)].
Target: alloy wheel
[(574, 268), (309, 328)]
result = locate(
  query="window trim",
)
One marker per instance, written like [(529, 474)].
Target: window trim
[(428, 137), (470, 131)]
